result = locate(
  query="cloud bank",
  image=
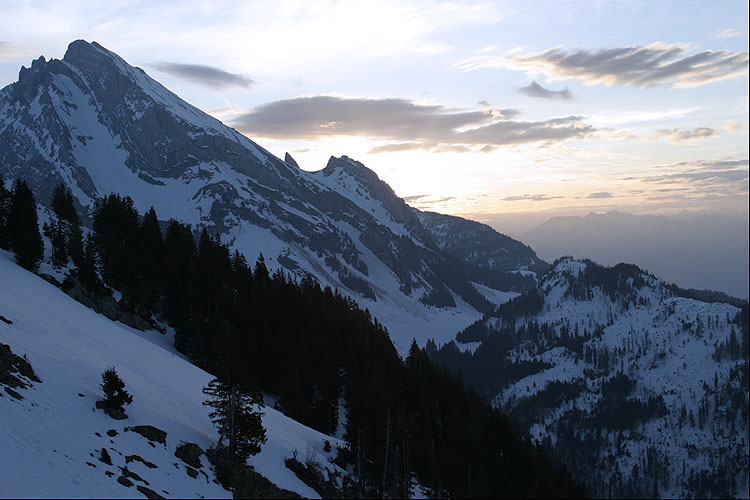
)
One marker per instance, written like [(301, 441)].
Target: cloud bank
[(410, 125), (208, 76), (700, 179), (639, 66)]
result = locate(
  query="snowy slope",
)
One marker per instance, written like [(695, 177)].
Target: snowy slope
[(635, 387), (51, 440)]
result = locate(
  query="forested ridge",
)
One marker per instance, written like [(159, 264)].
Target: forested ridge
[(638, 386), (312, 348)]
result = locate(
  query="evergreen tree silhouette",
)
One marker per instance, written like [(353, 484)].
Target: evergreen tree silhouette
[(5, 200), (115, 395), (237, 416), (25, 239)]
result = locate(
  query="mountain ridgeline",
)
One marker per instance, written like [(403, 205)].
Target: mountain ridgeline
[(101, 126)]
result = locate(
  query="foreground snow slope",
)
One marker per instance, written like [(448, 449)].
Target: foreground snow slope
[(51, 441)]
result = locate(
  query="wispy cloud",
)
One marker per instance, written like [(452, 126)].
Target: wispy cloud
[(639, 66), (700, 176), (426, 201), (536, 90), (690, 136), (531, 197), (601, 195), (701, 179), (729, 33), (208, 76), (410, 125), (732, 128), (397, 147)]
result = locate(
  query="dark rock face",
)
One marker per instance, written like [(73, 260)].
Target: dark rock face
[(115, 413), (15, 372), (149, 493), (190, 453), (150, 432)]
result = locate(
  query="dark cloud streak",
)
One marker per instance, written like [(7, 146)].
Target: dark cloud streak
[(531, 197), (208, 76), (536, 90), (414, 126), (639, 66)]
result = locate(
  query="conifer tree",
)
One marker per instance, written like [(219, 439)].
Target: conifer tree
[(63, 205), (238, 418), (261, 271), (5, 200), (115, 395), (86, 268), (55, 231), (25, 239), (115, 233)]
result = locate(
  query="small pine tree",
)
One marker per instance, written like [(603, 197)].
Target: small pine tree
[(56, 233), (261, 271), (237, 419), (5, 200), (63, 204), (115, 395), (23, 224), (86, 270)]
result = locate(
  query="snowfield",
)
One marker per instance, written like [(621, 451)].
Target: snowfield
[(51, 441)]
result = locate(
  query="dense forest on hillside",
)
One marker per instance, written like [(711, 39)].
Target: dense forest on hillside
[(312, 348)]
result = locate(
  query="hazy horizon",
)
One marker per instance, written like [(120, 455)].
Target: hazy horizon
[(707, 251)]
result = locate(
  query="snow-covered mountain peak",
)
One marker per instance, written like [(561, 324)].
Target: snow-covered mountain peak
[(100, 125), (569, 266), (363, 186)]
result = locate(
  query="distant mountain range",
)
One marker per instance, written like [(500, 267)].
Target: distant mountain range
[(639, 388), (704, 251), (99, 125)]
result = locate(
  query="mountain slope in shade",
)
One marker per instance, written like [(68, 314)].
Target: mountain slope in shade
[(100, 125), (704, 251), (629, 382), (52, 439)]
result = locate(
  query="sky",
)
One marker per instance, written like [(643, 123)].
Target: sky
[(480, 109)]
